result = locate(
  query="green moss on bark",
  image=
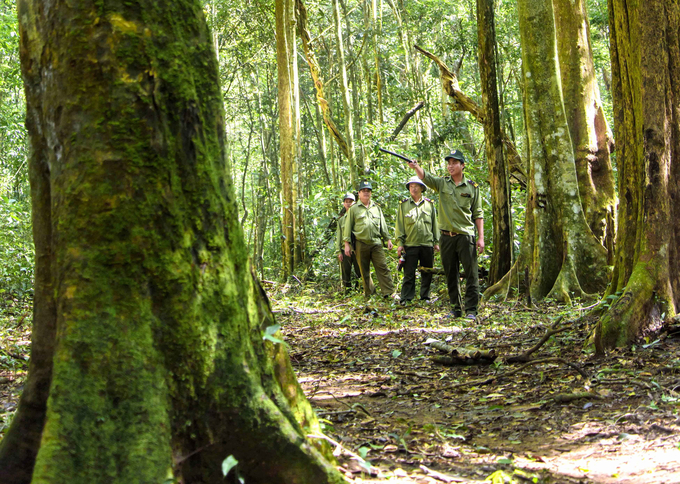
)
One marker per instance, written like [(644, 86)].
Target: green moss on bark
[(159, 362)]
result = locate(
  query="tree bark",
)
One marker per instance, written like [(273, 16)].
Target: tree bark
[(347, 106), (143, 283), (284, 18), (564, 259), (316, 77), (590, 134), (502, 256), (645, 54)]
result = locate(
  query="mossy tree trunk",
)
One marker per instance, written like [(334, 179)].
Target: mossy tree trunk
[(590, 134), (563, 257), (501, 259), (645, 55), (145, 305), (284, 14)]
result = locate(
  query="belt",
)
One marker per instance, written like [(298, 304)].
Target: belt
[(450, 234)]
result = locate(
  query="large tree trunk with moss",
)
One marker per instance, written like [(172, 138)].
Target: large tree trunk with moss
[(145, 305), (645, 57), (590, 134), (501, 259), (564, 258), (284, 14)]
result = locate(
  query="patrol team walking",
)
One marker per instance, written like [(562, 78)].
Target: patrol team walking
[(420, 231)]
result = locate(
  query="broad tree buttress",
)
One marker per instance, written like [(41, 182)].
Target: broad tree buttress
[(645, 55), (560, 257)]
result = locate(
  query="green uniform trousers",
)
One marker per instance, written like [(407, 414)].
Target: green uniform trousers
[(348, 278), (455, 250), (413, 255), (367, 253)]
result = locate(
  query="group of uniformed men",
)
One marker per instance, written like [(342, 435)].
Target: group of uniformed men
[(420, 232)]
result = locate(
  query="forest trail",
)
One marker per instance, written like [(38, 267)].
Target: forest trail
[(370, 377), (368, 373)]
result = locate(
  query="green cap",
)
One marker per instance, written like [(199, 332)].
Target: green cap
[(365, 184), (455, 154)]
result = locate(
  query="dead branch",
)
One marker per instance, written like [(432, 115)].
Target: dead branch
[(441, 477), (409, 114), (570, 397), (464, 103), (486, 381), (462, 356), (524, 357), (315, 70), (338, 447)]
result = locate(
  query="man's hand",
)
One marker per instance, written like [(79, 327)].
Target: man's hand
[(348, 250), (340, 256), (436, 247), (480, 245), (417, 168), (400, 249), (389, 245)]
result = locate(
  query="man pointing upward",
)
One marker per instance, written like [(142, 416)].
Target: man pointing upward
[(460, 212)]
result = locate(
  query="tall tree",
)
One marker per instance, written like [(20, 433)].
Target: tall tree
[(344, 86), (502, 257), (284, 12), (560, 255), (147, 329), (645, 56), (590, 134)]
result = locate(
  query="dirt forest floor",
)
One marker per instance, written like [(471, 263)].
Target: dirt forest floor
[(398, 416)]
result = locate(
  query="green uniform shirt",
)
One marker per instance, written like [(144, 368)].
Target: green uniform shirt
[(366, 223), (417, 223), (340, 232), (459, 206)]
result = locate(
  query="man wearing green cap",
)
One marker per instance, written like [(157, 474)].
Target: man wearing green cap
[(366, 221), (417, 234), (460, 212), (346, 263)]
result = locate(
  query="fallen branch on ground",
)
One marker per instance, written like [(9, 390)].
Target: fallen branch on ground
[(441, 477), (486, 381), (570, 397), (462, 356), (524, 357)]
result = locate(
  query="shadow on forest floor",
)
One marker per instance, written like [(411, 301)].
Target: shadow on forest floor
[(369, 375), (371, 379)]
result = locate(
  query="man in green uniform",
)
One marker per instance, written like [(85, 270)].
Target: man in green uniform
[(417, 234), (366, 221), (346, 263), (460, 211)]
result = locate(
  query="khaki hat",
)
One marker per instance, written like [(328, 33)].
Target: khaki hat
[(349, 195), (415, 179), (455, 154)]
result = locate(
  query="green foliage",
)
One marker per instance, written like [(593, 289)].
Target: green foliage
[(16, 245)]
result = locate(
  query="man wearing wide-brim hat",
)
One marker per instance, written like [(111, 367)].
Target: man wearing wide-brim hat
[(417, 236), (460, 212), (346, 263), (365, 220)]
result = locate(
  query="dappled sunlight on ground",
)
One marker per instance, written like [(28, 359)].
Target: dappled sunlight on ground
[(371, 378)]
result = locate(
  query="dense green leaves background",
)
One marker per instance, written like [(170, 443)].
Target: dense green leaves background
[(244, 38)]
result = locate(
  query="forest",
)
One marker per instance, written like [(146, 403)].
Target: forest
[(174, 178)]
